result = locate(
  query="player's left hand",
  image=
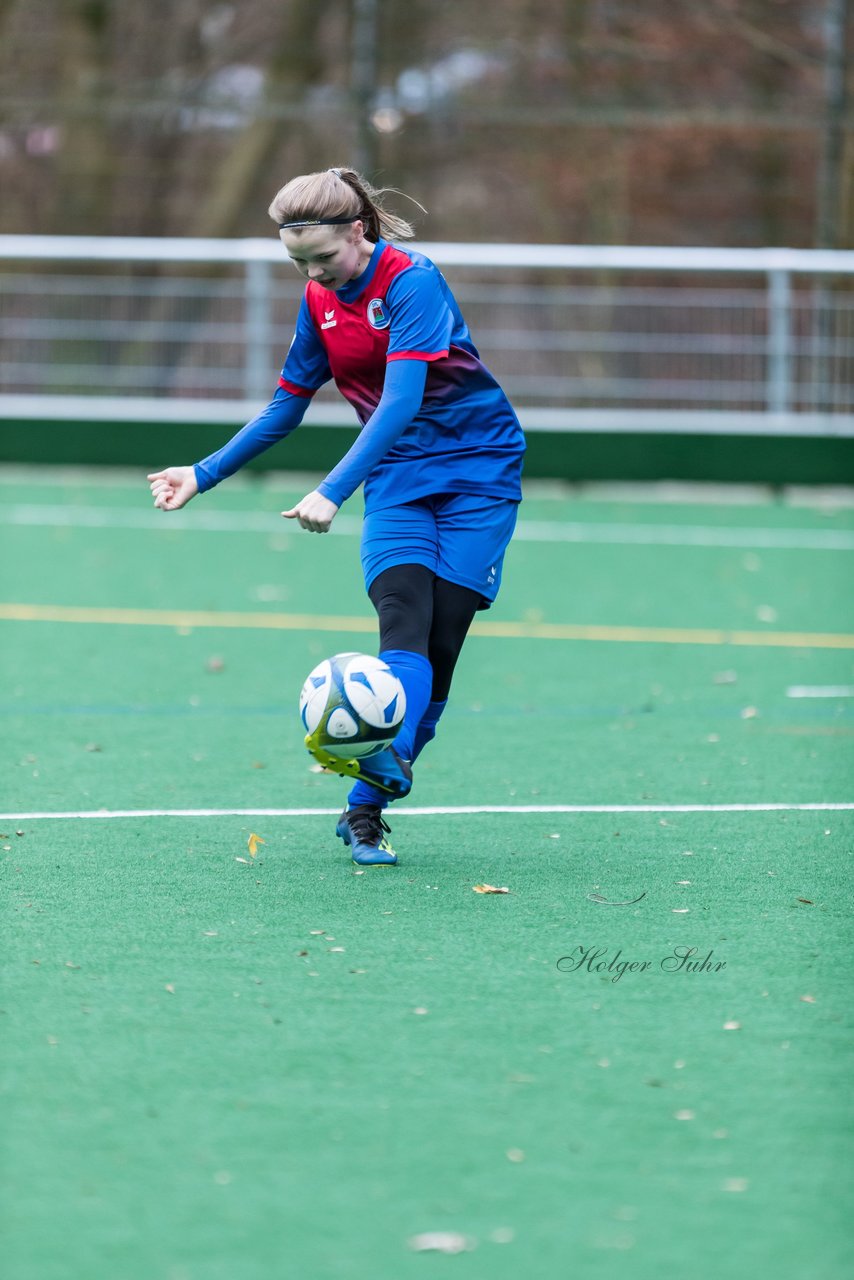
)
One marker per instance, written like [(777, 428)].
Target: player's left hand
[(314, 512)]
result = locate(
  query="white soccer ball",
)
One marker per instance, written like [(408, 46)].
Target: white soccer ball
[(352, 705)]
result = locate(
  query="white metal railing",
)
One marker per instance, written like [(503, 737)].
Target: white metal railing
[(613, 338)]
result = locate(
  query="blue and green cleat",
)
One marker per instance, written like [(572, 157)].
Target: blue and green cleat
[(385, 770), (365, 830)]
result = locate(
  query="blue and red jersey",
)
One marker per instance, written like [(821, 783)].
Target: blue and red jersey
[(465, 437)]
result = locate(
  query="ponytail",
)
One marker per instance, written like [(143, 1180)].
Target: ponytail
[(340, 194)]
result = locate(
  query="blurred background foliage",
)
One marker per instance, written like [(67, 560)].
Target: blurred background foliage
[(718, 122)]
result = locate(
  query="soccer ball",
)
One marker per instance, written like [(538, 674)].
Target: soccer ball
[(353, 704)]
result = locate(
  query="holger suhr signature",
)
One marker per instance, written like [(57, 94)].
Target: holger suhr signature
[(680, 960)]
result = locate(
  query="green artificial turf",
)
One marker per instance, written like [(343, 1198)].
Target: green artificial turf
[(225, 1067)]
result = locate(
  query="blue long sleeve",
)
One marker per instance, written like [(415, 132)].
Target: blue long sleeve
[(281, 416), (403, 391)]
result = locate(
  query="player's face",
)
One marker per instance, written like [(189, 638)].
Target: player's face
[(330, 255)]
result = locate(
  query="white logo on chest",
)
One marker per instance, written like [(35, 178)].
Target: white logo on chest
[(330, 321)]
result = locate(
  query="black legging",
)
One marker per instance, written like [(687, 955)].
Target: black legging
[(424, 614)]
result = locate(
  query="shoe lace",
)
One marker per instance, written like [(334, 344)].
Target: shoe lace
[(367, 823)]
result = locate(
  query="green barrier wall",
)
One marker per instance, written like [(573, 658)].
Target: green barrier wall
[(571, 456)]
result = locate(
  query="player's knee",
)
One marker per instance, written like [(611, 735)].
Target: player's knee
[(402, 625), (403, 599)]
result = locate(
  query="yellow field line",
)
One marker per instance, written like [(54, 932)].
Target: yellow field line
[(188, 619), (666, 635), (183, 618)]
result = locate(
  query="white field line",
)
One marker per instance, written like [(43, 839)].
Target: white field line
[(437, 811), (820, 691), (619, 534)]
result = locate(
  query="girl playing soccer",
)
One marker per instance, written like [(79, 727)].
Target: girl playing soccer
[(440, 455)]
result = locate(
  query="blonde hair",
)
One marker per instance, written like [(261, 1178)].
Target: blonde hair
[(339, 193)]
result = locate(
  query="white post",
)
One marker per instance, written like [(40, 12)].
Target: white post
[(778, 381), (257, 366)]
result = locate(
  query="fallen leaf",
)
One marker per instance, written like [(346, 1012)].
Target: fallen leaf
[(169, 987), (488, 888), (808, 901), (732, 1026), (245, 860), (214, 664), (808, 999), (253, 843)]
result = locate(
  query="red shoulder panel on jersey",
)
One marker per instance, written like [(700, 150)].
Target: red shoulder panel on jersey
[(294, 390), (416, 355)]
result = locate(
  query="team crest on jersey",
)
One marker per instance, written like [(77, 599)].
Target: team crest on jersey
[(378, 316)]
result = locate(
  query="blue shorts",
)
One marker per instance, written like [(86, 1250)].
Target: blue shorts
[(462, 537)]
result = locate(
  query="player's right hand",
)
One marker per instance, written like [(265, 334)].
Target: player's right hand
[(173, 488)]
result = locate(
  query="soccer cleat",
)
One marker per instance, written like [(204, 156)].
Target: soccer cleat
[(385, 770), (365, 830)]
